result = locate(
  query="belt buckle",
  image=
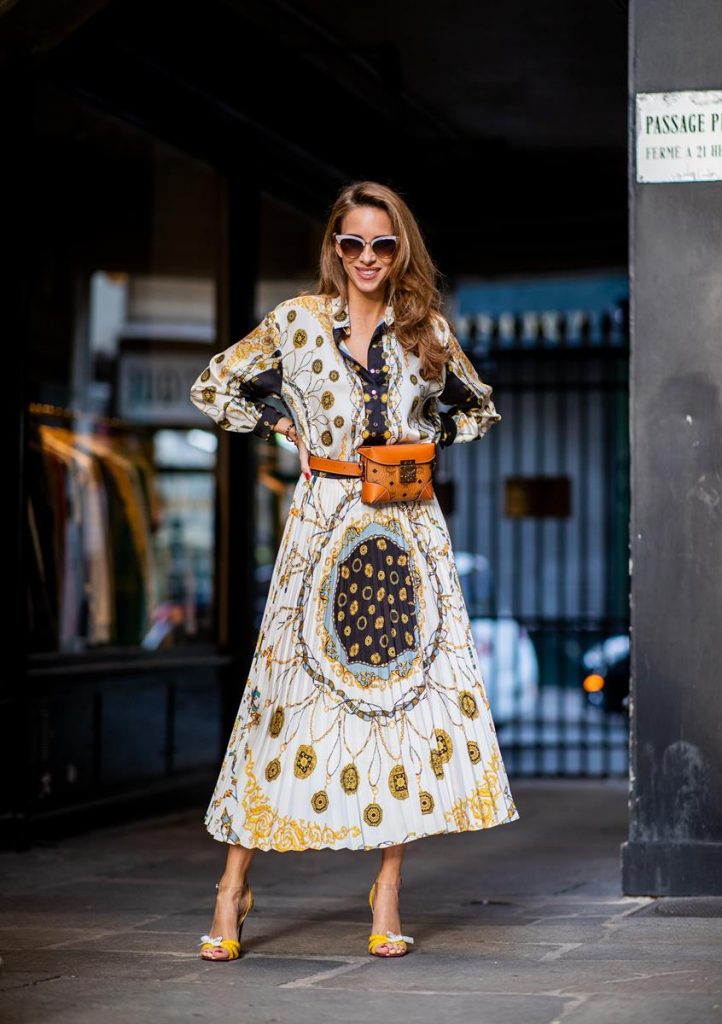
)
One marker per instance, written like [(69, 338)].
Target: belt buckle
[(407, 474)]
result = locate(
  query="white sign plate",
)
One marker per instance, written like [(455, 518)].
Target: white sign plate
[(679, 136)]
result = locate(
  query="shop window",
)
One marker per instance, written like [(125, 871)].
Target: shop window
[(120, 474)]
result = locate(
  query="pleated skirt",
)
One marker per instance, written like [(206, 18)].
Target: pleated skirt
[(364, 720)]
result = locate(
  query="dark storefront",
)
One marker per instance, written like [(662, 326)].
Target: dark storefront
[(171, 184)]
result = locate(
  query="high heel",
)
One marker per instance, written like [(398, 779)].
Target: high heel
[(231, 946), (381, 938)]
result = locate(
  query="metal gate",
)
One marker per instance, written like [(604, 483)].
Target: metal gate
[(538, 512)]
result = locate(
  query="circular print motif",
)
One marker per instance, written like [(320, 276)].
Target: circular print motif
[(426, 801), (373, 814), (276, 723), (349, 778), (397, 782), (319, 801), (468, 705), (305, 761)]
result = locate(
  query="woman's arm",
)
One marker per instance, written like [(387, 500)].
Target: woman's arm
[(471, 410), (232, 389)]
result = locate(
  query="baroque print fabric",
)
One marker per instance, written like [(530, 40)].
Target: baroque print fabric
[(364, 721)]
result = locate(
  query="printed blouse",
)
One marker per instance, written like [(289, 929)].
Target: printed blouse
[(298, 354)]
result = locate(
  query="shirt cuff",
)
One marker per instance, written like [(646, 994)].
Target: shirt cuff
[(448, 429), (267, 421)]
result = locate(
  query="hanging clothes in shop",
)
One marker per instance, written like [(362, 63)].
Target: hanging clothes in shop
[(92, 509)]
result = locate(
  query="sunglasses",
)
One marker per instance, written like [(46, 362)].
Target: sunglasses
[(383, 246)]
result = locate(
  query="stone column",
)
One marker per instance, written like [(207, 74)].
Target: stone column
[(675, 826)]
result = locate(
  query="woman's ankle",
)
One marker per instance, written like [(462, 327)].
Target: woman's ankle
[(389, 878), (232, 883)]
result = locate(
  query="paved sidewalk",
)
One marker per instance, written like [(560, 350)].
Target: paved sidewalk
[(521, 924)]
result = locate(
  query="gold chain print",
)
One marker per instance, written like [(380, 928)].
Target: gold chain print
[(364, 721)]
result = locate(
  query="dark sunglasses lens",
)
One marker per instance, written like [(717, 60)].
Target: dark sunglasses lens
[(384, 248), (351, 246)]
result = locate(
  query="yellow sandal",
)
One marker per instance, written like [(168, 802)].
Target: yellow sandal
[(231, 946), (381, 938)]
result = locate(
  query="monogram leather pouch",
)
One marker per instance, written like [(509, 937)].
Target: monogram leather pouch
[(397, 472)]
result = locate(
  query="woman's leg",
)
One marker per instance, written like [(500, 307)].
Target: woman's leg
[(232, 897), (386, 899)]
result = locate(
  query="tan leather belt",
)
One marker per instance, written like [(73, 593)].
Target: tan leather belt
[(334, 465)]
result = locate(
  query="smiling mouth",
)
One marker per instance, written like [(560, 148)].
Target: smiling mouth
[(367, 272)]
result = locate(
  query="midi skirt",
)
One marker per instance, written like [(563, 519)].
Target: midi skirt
[(364, 721)]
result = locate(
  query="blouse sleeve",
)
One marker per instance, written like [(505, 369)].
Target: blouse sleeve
[(232, 388), (471, 410)]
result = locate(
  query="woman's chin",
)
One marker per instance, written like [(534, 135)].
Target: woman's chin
[(368, 285)]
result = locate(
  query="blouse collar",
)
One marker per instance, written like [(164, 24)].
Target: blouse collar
[(341, 316)]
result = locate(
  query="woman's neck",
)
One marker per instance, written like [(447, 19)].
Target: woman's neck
[(365, 308)]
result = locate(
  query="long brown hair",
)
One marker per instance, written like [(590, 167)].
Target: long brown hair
[(411, 286)]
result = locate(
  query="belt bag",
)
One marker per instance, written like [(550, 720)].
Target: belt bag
[(397, 472)]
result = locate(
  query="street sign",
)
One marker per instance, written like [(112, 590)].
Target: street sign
[(679, 136)]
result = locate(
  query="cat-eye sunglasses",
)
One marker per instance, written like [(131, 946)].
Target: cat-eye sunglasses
[(383, 246)]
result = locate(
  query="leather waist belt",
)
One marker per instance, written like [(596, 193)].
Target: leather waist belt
[(395, 472), (320, 462)]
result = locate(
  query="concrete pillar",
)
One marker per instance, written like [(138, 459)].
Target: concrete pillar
[(675, 826)]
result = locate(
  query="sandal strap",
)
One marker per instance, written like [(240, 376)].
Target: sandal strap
[(390, 937), (232, 945), (208, 939)]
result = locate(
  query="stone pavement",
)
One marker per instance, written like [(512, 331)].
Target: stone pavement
[(519, 924)]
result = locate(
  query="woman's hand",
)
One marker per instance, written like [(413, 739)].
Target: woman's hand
[(287, 427), (303, 456)]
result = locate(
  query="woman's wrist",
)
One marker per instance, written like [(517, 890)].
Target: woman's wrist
[(287, 427)]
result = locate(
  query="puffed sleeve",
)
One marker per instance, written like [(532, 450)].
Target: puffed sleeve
[(471, 410), (232, 388)]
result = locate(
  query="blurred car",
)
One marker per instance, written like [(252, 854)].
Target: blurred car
[(606, 674), (509, 668), (507, 656)]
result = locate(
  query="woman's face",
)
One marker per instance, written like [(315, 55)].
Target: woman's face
[(367, 273)]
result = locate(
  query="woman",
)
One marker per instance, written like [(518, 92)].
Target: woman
[(364, 723)]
